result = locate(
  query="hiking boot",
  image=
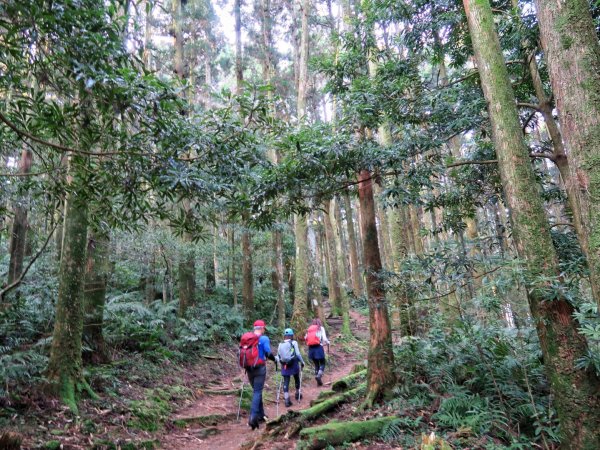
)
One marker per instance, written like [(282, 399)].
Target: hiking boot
[(253, 423), (319, 382), (288, 402), (298, 395)]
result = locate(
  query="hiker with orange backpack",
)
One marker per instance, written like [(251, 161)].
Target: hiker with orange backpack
[(255, 349), (315, 338), (288, 354)]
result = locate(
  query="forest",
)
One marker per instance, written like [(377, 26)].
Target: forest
[(422, 176)]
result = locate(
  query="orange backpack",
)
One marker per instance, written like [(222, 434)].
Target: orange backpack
[(311, 335)]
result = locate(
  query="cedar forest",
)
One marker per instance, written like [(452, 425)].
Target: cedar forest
[(421, 175)]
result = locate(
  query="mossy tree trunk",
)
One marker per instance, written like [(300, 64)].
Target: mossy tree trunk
[(335, 293), (247, 273), (334, 214), (404, 316), (300, 311), (576, 391), (65, 372), (381, 377), (572, 50), (187, 274), (20, 225), (355, 271), (97, 271)]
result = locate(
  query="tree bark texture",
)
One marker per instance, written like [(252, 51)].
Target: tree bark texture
[(65, 365), (300, 311), (97, 271), (334, 214), (187, 274), (239, 68), (572, 51), (335, 293), (381, 376), (576, 391)]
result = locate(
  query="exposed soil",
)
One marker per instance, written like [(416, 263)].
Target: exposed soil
[(233, 433), (112, 423)]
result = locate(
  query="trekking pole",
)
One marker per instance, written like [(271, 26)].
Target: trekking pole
[(278, 395), (240, 404), (300, 387)]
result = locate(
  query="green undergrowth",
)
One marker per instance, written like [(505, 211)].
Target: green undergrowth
[(475, 386), (151, 413)]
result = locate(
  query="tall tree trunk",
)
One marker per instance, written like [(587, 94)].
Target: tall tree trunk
[(20, 225), (187, 274), (576, 391), (335, 293), (278, 246), (380, 374), (572, 50), (247, 275), (300, 311), (233, 268), (355, 270), (97, 271), (65, 372), (341, 245), (239, 68), (334, 257), (404, 315), (316, 263)]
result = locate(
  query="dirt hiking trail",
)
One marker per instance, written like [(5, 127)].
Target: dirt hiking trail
[(226, 432)]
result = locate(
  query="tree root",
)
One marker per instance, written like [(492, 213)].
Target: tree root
[(335, 433)]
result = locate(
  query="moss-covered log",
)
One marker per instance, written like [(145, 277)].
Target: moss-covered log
[(323, 395), (335, 433), (349, 381), (292, 422)]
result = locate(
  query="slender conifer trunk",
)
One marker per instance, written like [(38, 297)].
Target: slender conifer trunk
[(97, 271), (572, 50), (576, 391), (20, 225)]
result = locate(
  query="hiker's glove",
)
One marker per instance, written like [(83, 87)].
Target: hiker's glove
[(272, 358), (302, 365)]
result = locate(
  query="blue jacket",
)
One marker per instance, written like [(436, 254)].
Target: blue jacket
[(264, 347)]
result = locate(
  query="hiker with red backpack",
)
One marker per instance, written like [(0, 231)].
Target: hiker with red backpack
[(315, 338), (288, 354), (255, 349)]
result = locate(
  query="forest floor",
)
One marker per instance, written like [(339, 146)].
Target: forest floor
[(144, 404), (233, 433)]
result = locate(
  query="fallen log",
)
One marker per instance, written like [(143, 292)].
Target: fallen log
[(336, 433), (323, 395), (348, 381), (292, 422)]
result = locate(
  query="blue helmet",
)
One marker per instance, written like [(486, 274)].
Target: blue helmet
[(288, 332)]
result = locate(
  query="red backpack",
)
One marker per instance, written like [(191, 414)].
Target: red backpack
[(249, 356), (311, 335)]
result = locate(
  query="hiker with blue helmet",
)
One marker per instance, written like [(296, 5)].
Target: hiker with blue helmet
[(288, 354)]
